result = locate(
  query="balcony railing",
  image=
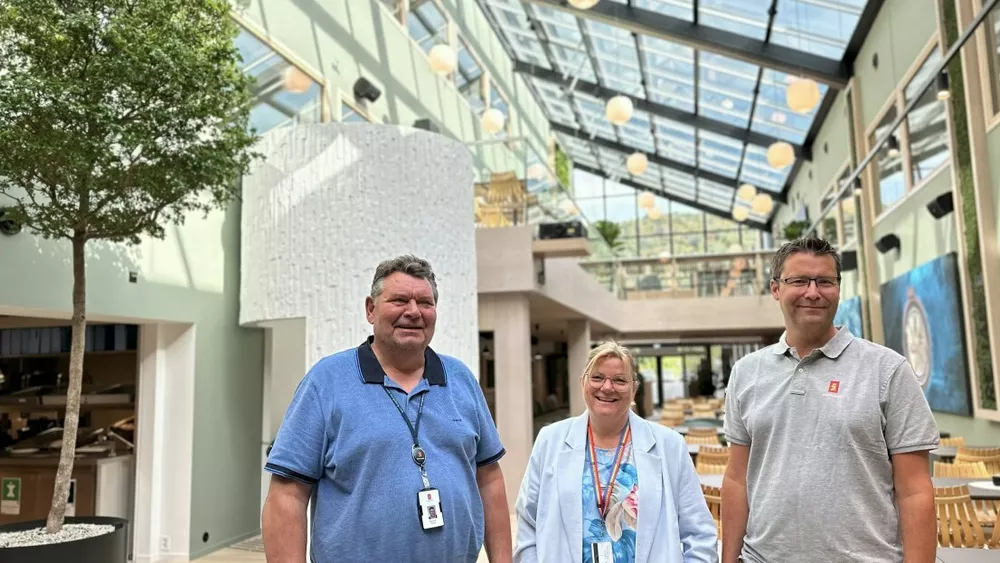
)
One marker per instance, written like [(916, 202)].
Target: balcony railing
[(705, 275)]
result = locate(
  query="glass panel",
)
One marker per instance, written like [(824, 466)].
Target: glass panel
[(927, 125), (684, 219), (848, 211), (993, 46), (888, 164), (819, 27), (746, 17), (348, 115)]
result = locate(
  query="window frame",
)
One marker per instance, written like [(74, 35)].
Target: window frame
[(348, 101), (897, 100), (990, 86)]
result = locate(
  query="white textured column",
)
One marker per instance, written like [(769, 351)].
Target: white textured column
[(509, 317), (578, 336)]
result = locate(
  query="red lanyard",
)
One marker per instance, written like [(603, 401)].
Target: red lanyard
[(604, 499)]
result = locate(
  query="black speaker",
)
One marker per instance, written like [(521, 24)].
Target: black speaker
[(427, 125), (566, 229), (887, 243), (941, 205), (849, 260), (365, 90)]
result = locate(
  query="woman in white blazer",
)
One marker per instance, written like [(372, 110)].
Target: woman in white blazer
[(654, 512)]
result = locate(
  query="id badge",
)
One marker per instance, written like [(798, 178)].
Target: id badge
[(429, 506), (601, 552)]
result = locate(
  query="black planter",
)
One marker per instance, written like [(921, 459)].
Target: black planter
[(106, 548)]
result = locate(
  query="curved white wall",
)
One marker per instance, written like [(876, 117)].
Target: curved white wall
[(325, 206)]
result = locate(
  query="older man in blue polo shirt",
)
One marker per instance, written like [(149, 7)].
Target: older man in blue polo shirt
[(392, 443)]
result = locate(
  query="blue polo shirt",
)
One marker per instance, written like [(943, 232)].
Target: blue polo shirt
[(342, 434)]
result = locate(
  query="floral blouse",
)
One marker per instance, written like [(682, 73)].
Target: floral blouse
[(624, 509)]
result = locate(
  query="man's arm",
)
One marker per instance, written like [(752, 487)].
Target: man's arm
[(499, 545), (915, 499), (735, 509), (283, 522)]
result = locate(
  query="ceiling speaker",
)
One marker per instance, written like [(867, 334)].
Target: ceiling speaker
[(365, 90), (887, 243), (941, 205)]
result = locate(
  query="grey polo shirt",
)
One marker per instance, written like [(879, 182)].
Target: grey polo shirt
[(821, 431)]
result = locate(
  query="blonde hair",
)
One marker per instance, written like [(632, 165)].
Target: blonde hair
[(610, 349)]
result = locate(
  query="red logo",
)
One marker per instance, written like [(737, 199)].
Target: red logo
[(834, 387)]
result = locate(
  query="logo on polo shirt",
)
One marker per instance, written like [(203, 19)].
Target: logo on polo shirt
[(834, 387)]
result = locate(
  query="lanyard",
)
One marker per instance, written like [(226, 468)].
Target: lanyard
[(604, 499), (417, 453)]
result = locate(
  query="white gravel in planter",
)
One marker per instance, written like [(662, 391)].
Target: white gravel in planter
[(38, 536)]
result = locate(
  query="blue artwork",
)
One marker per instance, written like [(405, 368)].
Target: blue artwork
[(923, 321), (849, 315)]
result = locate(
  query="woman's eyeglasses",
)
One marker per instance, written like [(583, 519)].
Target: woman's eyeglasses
[(619, 383)]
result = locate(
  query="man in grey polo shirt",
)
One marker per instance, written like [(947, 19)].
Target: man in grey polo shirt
[(828, 436)]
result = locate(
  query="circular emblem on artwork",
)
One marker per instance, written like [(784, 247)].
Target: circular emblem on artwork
[(8, 225), (917, 337)]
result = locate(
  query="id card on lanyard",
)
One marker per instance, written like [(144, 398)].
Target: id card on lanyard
[(428, 498), (602, 552)]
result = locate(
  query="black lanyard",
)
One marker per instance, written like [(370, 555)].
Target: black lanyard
[(417, 453)]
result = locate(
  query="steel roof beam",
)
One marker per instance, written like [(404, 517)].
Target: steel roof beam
[(833, 73)]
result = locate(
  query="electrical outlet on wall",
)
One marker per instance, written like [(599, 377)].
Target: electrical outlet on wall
[(164, 543)]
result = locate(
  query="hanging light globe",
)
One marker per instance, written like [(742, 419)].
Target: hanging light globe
[(493, 121), (583, 4), (802, 95), (780, 155), (741, 213), (647, 200), (538, 171), (443, 59), (762, 204), (746, 192), (619, 110), (295, 80), (637, 163), (654, 213)]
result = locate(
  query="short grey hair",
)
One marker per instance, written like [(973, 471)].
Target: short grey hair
[(811, 245), (407, 264)]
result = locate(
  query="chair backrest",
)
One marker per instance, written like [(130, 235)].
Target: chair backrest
[(958, 525), (953, 442), (703, 431), (672, 420), (702, 440), (961, 470), (989, 456), (713, 497), (709, 468)]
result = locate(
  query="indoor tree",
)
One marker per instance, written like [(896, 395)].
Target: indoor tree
[(117, 118)]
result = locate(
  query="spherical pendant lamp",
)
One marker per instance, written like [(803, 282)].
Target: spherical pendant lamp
[(637, 163), (741, 213), (802, 95), (654, 213), (762, 204), (296, 81), (647, 200), (583, 4), (443, 59), (780, 155), (538, 171), (746, 192), (619, 110), (493, 121)]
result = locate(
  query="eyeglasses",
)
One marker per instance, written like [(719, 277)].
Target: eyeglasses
[(619, 383), (821, 282)]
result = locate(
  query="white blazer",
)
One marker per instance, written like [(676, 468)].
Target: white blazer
[(674, 524)]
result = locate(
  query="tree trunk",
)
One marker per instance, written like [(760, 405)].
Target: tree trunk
[(60, 495)]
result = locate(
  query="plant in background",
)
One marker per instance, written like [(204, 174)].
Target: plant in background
[(794, 229), (116, 118), (563, 167), (611, 234)]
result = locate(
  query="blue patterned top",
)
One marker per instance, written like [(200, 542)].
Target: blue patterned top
[(624, 510)]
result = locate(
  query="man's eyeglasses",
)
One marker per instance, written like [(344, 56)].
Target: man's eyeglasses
[(619, 383), (821, 283)]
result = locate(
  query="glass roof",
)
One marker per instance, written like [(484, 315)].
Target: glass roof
[(738, 100)]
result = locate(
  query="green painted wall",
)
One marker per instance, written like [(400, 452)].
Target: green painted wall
[(901, 31), (347, 40), (190, 277)]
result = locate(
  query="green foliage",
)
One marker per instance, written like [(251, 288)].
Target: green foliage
[(794, 229), (121, 116), (980, 336), (611, 233), (563, 167)]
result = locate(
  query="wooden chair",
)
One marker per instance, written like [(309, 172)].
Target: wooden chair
[(702, 440), (957, 522), (961, 470), (704, 432), (713, 455), (713, 497), (953, 442), (672, 421), (989, 456), (709, 468)]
